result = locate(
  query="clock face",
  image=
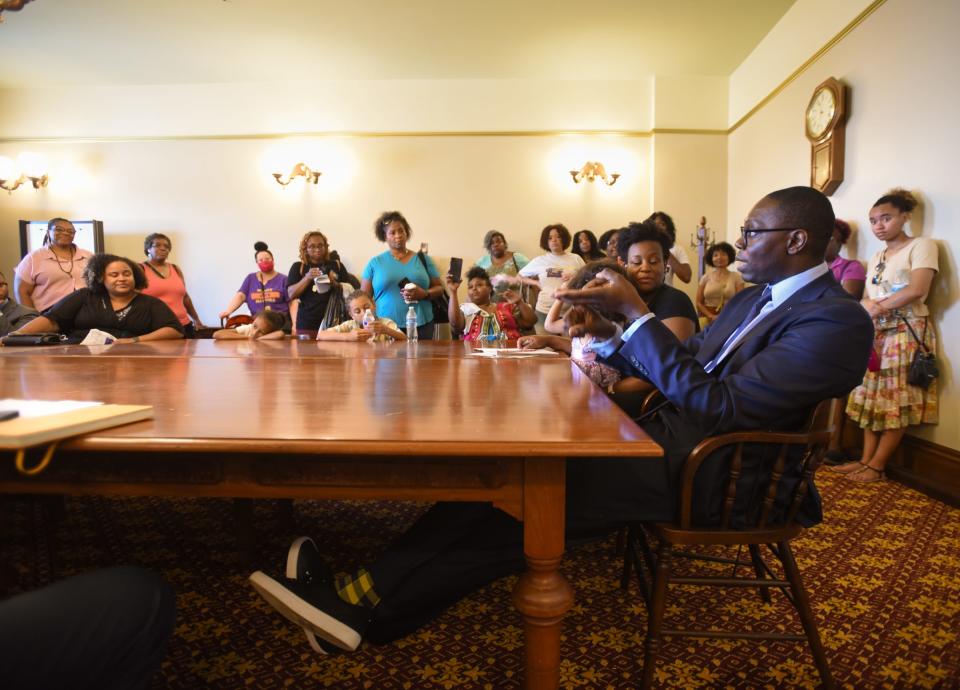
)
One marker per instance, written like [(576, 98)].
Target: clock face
[(820, 112)]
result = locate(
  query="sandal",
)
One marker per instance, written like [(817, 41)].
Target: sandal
[(848, 467), (877, 476)]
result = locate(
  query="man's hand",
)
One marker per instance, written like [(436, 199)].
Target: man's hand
[(583, 321), (610, 292)]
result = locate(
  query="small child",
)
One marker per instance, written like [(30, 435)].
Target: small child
[(379, 330), (267, 325)]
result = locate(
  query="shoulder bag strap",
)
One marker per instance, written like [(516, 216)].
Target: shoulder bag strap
[(920, 341)]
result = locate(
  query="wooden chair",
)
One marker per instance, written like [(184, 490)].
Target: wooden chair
[(814, 437)]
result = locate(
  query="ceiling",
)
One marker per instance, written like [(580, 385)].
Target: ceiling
[(120, 42)]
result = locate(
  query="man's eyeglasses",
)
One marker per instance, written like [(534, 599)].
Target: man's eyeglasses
[(747, 234)]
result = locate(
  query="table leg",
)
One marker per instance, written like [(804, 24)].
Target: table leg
[(542, 594)]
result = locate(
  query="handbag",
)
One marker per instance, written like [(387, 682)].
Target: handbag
[(336, 311), (440, 303), (19, 340), (923, 369)]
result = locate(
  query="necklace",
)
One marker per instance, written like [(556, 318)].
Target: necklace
[(156, 270), (60, 265)]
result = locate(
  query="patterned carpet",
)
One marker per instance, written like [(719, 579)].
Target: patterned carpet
[(883, 573)]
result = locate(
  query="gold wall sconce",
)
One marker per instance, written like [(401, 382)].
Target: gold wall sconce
[(592, 170), (11, 6), (27, 168), (299, 170)]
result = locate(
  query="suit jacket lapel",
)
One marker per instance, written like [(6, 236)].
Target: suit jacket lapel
[(807, 293), (722, 328)]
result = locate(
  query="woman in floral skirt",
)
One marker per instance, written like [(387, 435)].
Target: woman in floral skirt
[(884, 405)]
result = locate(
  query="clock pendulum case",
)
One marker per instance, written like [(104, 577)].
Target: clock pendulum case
[(825, 121)]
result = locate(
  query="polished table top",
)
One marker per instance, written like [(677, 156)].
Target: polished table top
[(404, 399), (289, 348)]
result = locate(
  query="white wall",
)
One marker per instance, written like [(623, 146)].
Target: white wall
[(216, 198), (901, 65)]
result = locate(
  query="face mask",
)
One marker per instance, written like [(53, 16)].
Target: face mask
[(265, 266)]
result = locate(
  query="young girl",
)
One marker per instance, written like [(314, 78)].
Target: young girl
[(378, 330), (267, 325), (884, 405)]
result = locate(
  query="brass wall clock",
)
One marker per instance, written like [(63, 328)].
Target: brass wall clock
[(825, 120)]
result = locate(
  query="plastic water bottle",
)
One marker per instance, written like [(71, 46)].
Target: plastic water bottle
[(368, 319), (411, 323)]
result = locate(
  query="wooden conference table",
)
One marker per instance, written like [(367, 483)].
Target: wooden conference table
[(302, 419)]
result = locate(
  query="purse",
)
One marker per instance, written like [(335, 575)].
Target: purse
[(440, 303), (923, 369), (20, 340)]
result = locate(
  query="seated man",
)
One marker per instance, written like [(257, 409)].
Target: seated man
[(12, 315), (775, 351)]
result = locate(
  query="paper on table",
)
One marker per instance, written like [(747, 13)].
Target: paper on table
[(42, 408), (95, 337), (512, 352)]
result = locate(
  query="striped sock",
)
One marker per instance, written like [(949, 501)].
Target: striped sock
[(356, 588)]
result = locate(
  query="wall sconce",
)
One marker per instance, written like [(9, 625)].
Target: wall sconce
[(592, 170), (29, 167), (299, 170), (12, 6)]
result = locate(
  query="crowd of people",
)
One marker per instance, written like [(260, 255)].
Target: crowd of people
[(608, 303)]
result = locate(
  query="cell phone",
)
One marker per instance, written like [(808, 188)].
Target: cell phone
[(403, 282), (456, 268)]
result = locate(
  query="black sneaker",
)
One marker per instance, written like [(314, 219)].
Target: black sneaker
[(317, 608), (305, 564)]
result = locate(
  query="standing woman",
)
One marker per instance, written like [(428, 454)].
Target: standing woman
[(315, 262), (884, 405), (550, 269), (848, 272), (47, 275), (263, 289), (499, 260), (384, 273), (720, 284), (165, 282), (585, 246), (678, 263), (608, 243)]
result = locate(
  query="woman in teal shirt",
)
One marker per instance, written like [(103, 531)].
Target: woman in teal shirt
[(384, 273)]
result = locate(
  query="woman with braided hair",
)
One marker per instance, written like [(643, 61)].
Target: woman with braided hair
[(312, 278)]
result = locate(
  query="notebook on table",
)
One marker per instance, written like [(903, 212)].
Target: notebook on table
[(44, 421)]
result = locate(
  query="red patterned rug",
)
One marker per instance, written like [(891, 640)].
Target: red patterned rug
[(882, 571)]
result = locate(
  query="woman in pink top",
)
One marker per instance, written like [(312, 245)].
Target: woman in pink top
[(848, 272), (47, 275), (165, 281)]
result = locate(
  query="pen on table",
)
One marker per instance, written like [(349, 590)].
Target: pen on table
[(8, 414)]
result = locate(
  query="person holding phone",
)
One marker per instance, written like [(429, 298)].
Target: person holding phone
[(386, 276), (481, 319), (498, 261)]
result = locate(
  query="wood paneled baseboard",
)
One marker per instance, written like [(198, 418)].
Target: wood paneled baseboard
[(927, 467)]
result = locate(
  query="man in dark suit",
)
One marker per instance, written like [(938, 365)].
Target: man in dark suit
[(776, 350)]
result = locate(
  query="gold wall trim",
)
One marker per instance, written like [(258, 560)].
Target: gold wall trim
[(806, 65), (337, 134), (707, 132)]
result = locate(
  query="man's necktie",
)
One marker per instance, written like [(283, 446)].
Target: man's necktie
[(751, 316)]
